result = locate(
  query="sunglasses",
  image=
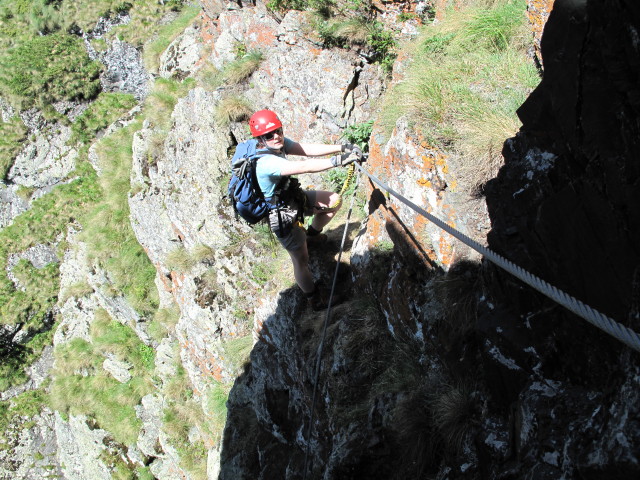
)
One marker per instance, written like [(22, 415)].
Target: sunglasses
[(270, 135)]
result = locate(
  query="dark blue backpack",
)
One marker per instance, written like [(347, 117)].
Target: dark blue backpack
[(244, 191)]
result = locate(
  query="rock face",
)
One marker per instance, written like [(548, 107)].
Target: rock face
[(438, 365), (565, 207), (494, 381)]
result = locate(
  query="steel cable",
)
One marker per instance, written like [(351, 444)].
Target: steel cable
[(626, 335)]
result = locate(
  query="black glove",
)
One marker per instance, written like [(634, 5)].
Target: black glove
[(352, 148)]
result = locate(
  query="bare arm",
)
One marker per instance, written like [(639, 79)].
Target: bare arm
[(311, 165), (313, 149)]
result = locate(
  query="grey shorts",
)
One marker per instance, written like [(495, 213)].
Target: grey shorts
[(296, 239)]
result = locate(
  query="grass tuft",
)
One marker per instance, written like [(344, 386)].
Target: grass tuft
[(233, 109), (46, 69), (462, 93), (240, 69), (105, 110)]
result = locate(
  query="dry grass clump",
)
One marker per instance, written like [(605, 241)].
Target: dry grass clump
[(469, 74), (457, 291), (432, 422), (180, 260), (240, 69), (233, 109)]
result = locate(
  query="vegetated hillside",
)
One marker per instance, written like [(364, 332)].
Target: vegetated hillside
[(105, 373), (132, 296)]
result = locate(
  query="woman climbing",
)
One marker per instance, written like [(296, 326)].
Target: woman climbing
[(273, 173)]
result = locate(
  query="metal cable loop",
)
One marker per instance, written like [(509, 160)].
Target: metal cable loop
[(626, 335)]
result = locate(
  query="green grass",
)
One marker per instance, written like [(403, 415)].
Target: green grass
[(112, 337), (45, 69), (98, 395), (216, 405), (164, 322), (108, 232), (237, 350), (183, 413), (12, 135), (241, 68), (47, 218), (106, 109), (28, 404), (468, 76), (163, 98)]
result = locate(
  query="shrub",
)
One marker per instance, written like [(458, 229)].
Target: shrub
[(362, 32), (359, 134)]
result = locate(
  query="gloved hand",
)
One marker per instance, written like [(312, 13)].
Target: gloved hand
[(347, 158), (352, 148)]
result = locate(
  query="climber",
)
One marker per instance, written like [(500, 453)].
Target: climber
[(274, 170)]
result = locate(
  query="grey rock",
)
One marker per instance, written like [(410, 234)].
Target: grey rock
[(80, 448), (11, 204), (181, 58), (125, 70), (7, 112), (32, 454), (118, 369), (45, 161)]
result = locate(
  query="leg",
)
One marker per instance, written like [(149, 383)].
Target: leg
[(295, 243), (324, 206), (301, 272)]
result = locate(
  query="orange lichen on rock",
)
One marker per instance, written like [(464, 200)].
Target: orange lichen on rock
[(428, 163), (208, 33), (261, 36), (208, 366), (446, 250), (538, 13)]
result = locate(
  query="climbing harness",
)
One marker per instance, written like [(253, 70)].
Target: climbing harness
[(350, 175), (596, 318)]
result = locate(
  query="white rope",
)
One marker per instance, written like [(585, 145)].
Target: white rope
[(624, 334), (324, 335)]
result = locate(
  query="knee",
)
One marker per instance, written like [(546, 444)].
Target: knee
[(335, 202)]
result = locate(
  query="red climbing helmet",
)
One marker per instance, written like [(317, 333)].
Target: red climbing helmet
[(264, 121)]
